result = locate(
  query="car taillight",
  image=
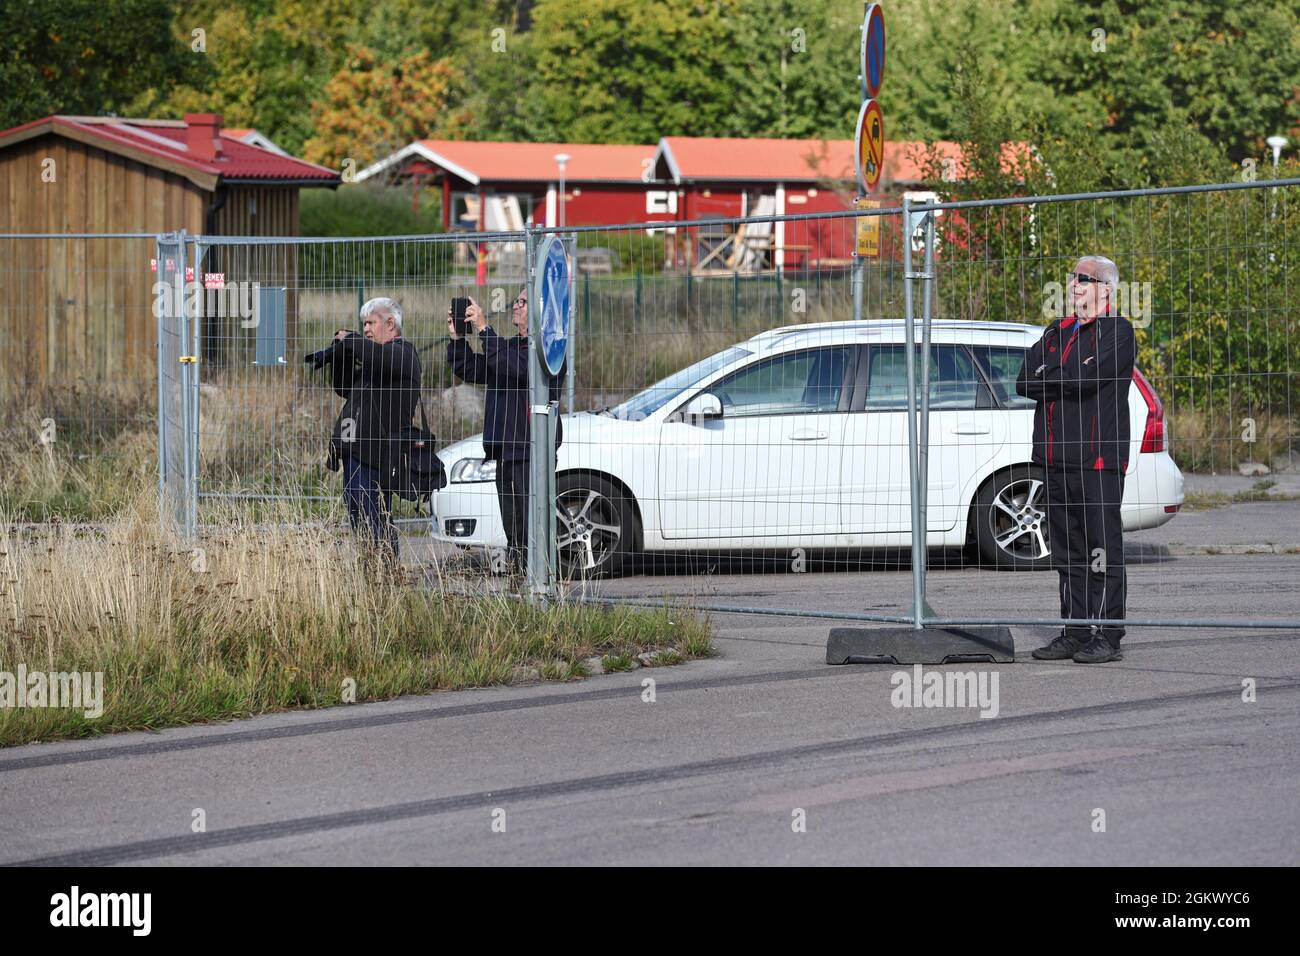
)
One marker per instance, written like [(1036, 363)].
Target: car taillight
[(1153, 437)]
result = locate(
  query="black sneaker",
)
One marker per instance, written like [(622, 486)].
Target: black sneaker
[(1098, 651), (1062, 648)]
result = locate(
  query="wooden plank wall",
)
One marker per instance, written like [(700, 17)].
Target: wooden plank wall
[(254, 211), (82, 309)]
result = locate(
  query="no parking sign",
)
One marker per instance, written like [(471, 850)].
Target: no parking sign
[(869, 146), (873, 51)]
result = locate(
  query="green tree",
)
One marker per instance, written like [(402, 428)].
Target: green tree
[(610, 71), (87, 56), (1124, 73), (373, 107), (266, 63)]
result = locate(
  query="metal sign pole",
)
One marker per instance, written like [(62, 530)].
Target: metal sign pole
[(537, 396), (859, 273), (543, 420), (571, 248)]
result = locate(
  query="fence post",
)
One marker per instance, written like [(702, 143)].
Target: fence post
[(187, 359), (636, 309), (923, 448), (857, 276), (192, 425), (161, 311), (918, 532), (735, 296)]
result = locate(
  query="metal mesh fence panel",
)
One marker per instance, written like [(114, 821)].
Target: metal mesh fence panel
[(713, 397), (78, 390), (267, 414), (737, 394)]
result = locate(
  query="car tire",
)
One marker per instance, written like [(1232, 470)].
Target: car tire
[(596, 530), (1009, 502)]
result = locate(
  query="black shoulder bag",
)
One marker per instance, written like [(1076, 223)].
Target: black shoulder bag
[(414, 469)]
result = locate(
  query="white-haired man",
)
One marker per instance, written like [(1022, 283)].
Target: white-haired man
[(1079, 373), (378, 373)]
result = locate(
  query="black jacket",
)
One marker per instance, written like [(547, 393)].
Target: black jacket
[(1080, 376), (503, 368), (382, 386)]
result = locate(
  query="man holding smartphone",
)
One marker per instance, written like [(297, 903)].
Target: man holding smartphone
[(503, 367)]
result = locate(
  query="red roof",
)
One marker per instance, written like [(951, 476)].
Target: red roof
[(477, 162), (714, 159), (164, 141)]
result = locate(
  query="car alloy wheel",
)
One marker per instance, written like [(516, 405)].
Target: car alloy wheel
[(589, 530), (1011, 520), (1018, 519)]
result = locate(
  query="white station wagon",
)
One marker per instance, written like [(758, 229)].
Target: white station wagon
[(797, 438)]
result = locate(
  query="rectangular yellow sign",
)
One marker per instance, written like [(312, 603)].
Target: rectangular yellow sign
[(869, 230)]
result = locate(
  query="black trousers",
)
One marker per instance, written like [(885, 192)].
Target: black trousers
[(512, 499), (1086, 535)]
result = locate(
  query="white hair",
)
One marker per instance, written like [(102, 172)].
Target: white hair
[(388, 306), (1107, 271)]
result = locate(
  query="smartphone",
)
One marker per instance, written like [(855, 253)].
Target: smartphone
[(458, 307)]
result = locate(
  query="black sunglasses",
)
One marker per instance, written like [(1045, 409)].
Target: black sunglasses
[(1082, 278)]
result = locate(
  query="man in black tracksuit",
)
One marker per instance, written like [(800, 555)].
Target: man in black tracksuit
[(378, 372), (503, 368), (1080, 373)]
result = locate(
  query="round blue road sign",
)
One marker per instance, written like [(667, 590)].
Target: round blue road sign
[(873, 51), (551, 295)]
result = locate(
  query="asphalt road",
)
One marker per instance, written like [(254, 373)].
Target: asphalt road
[(715, 769)]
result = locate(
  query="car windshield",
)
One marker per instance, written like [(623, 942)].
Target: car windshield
[(659, 394)]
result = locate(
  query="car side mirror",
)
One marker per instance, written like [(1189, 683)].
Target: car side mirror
[(703, 406)]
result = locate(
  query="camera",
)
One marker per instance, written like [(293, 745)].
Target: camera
[(319, 359)]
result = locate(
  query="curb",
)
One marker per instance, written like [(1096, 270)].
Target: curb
[(1186, 549)]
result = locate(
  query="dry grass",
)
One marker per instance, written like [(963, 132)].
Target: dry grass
[(1213, 441), (258, 619), (80, 451)]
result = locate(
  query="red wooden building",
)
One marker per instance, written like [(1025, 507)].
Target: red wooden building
[(518, 183), (489, 186)]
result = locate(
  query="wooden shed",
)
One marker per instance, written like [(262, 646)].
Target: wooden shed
[(82, 308)]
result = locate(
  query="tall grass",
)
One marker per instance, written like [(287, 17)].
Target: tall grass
[(1212, 440), (256, 619)]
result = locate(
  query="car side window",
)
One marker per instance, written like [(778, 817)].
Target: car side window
[(954, 381), (1002, 364), (798, 382)]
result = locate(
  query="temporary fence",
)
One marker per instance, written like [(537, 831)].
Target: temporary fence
[(757, 405)]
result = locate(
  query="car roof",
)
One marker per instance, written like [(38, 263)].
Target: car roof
[(892, 330)]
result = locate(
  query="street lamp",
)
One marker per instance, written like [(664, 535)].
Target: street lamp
[(562, 159), (1277, 144)]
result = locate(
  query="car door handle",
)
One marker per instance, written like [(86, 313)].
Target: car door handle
[(808, 435), (970, 430)]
